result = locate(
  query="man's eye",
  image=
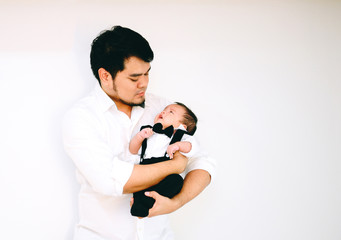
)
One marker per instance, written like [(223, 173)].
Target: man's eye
[(133, 79)]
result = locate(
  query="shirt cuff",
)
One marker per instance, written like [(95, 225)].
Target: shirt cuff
[(121, 172)]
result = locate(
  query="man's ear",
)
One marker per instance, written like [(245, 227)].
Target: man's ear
[(104, 76)]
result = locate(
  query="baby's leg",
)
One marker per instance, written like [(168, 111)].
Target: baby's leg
[(141, 205), (168, 187)]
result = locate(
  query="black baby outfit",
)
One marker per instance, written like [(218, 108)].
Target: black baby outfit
[(169, 186)]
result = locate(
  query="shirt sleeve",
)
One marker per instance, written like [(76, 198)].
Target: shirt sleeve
[(85, 143), (198, 158)]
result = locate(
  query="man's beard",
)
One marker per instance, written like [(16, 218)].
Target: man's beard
[(132, 104)]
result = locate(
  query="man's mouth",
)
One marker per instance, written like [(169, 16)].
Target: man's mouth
[(141, 94)]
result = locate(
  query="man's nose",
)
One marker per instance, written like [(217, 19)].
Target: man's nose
[(143, 82)]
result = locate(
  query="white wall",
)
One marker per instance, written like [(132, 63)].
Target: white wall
[(264, 79)]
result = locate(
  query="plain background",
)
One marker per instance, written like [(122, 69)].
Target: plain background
[(264, 78)]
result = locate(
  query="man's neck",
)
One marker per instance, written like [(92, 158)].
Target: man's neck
[(123, 107)]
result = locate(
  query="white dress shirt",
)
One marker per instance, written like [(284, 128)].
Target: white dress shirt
[(96, 137)]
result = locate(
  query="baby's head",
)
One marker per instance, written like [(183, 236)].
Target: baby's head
[(176, 114)]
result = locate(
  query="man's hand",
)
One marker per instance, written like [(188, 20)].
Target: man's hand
[(162, 205), (194, 183)]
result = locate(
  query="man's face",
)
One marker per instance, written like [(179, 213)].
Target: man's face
[(130, 84), (171, 115)]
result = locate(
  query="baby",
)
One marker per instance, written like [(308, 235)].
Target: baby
[(172, 131)]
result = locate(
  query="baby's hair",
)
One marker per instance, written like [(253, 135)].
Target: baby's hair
[(189, 119)]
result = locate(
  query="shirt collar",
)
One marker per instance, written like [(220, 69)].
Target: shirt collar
[(105, 102)]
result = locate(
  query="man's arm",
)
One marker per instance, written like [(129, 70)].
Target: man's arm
[(200, 171), (195, 182), (106, 173), (144, 176)]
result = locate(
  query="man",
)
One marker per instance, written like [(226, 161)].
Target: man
[(96, 134)]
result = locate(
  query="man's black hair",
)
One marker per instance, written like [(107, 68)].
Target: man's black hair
[(112, 47)]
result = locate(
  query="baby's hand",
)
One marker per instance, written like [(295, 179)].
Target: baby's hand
[(146, 133), (172, 149)]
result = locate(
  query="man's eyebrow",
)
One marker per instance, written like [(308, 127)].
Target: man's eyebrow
[(139, 74)]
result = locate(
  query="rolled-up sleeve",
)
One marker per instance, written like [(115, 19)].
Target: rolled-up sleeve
[(85, 143), (199, 159), (203, 162)]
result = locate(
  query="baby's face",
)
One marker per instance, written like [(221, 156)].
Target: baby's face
[(171, 115)]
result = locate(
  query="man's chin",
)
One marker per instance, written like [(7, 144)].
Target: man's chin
[(135, 103), (141, 104)]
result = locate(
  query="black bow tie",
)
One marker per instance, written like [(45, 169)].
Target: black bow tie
[(168, 131)]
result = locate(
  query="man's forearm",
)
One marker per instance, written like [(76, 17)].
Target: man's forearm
[(144, 176), (194, 183)]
